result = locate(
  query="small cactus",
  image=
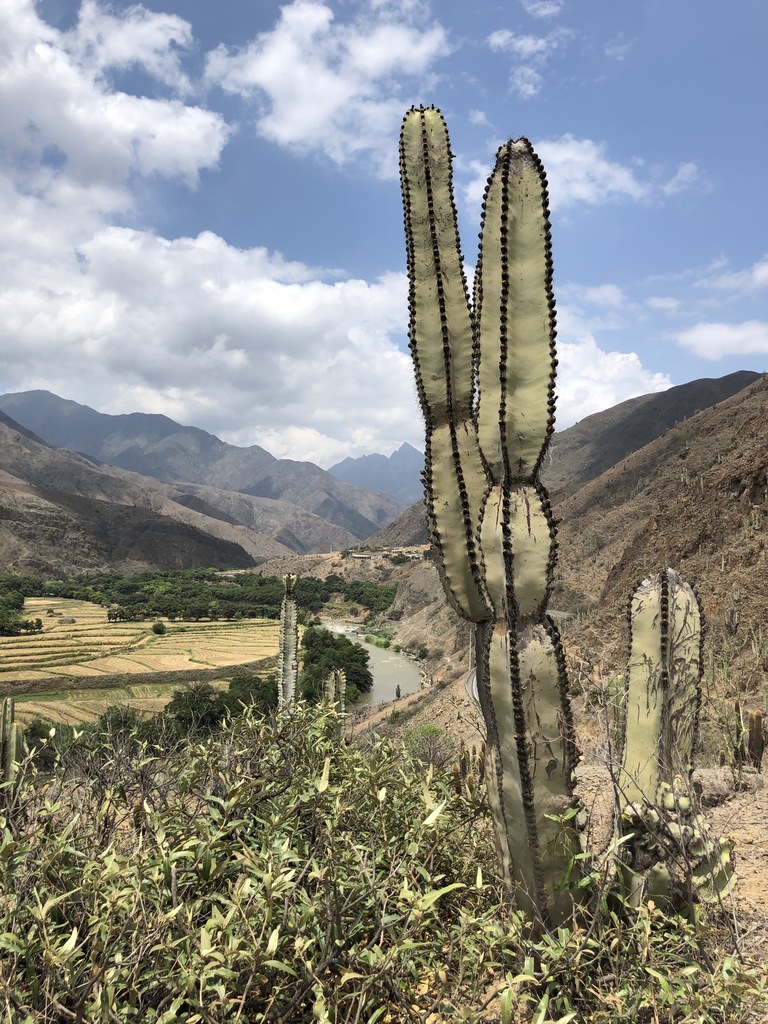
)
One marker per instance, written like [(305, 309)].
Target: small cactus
[(664, 851), (10, 741), (335, 694), (288, 671)]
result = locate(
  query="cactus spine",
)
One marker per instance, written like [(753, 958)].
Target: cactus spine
[(288, 671), (485, 378)]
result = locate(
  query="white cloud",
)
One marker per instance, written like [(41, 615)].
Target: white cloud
[(334, 87), (686, 175), (618, 48), (533, 52), (664, 303), (526, 82), (62, 118), (590, 379), (609, 295), (578, 171), (524, 47), (741, 282), (542, 8), (139, 38), (218, 337), (718, 340)]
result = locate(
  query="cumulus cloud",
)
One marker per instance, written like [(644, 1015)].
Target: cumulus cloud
[(530, 54), (65, 126), (334, 87), (590, 379), (139, 38), (219, 337), (718, 340), (242, 342), (579, 171)]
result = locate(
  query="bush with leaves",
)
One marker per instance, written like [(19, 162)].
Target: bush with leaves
[(269, 874)]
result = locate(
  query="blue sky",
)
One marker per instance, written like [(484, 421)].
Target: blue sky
[(202, 215)]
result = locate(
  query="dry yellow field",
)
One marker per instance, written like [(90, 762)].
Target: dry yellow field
[(91, 647)]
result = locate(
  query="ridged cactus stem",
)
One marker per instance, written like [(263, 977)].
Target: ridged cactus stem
[(663, 691), (335, 694), (665, 851), (485, 379), (10, 746), (288, 671)]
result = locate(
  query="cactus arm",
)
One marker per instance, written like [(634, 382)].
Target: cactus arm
[(515, 311), (442, 345)]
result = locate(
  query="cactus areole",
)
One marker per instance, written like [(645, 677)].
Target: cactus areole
[(485, 377)]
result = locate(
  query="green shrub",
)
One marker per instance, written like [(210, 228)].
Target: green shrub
[(269, 874)]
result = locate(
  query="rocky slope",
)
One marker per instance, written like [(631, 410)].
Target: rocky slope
[(62, 512)]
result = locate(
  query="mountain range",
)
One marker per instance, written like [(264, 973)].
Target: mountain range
[(82, 490)]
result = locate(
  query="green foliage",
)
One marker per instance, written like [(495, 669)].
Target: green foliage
[(269, 874), (430, 745), (248, 690), (324, 651), (199, 707), (282, 872), (196, 593), (159, 628)]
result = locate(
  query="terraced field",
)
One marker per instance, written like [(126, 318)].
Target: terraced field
[(81, 663)]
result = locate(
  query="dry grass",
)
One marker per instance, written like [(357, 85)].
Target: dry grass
[(75, 658)]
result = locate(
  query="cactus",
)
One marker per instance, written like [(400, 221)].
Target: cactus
[(664, 851), (10, 741), (335, 694), (755, 739), (288, 671), (485, 379)]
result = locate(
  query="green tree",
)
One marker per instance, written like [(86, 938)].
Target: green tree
[(197, 708)]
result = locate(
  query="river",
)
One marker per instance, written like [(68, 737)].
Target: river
[(389, 668)]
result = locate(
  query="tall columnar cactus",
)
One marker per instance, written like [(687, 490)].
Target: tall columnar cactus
[(288, 670), (485, 377)]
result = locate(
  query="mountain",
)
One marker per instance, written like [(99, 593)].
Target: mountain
[(157, 446), (594, 444), (63, 512), (398, 475)]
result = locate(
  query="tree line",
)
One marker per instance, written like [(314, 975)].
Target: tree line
[(193, 594)]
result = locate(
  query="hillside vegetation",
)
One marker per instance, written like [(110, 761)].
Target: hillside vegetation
[(270, 874)]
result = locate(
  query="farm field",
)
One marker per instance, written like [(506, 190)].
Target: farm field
[(81, 664)]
